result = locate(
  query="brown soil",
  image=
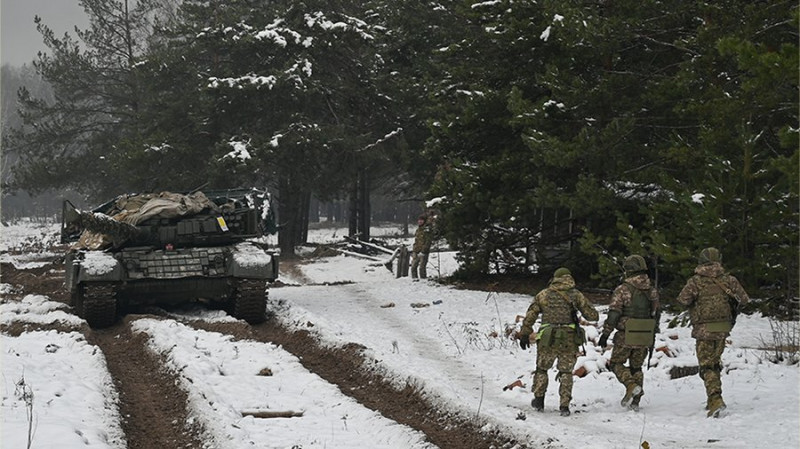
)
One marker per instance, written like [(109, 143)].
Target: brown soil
[(18, 328), (47, 280), (152, 406)]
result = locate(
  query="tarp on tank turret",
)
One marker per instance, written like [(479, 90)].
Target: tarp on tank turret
[(134, 209), (138, 208)]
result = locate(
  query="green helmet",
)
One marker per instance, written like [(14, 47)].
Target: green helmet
[(634, 264), (709, 255), (561, 272)]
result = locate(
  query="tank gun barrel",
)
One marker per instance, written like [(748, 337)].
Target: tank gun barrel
[(99, 223)]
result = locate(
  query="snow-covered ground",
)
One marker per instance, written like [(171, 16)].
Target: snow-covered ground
[(451, 343)]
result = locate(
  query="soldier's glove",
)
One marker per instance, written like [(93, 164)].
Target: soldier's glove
[(603, 341), (524, 341)]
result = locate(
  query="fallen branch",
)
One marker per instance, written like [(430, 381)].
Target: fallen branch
[(275, 414), (355, 254), (370, 245)]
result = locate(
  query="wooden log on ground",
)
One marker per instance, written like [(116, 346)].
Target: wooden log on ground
[(359, 255), (370, 245), (266, 414)]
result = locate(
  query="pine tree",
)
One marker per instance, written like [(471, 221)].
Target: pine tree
[(292, 82), (73, 140)]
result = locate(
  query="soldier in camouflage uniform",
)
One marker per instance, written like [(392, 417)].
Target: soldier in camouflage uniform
[(558, 337), (635, 299), (422, 247), (713, 297)]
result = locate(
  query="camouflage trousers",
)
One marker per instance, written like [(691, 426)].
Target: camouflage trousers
[(634, 355), (419, 264), (567, 355), (709, 357)]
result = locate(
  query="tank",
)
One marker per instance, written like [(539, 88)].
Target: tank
[(167, 249)]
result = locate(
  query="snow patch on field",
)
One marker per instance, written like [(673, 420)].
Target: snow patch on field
[(71, 396), (36, 309)]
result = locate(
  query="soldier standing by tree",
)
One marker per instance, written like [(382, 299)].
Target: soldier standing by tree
[(634, 311), (422, 247), (559, 335), (713, 298)]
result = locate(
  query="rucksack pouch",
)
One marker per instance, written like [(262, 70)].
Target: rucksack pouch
[(580, 336), (545, 335), (640, 332), (719, 326)]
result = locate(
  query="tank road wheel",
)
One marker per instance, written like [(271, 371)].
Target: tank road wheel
[(96, 304), (249, 300)]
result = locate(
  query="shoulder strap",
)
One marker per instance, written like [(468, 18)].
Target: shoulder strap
[(725, 288), (565, 296)]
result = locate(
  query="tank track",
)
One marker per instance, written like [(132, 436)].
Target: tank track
[(97, 304), (249, 300)]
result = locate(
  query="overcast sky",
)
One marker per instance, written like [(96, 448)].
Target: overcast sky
[(18, 36)]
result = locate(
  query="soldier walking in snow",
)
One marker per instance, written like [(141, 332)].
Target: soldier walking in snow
[(634, 312), (422, 247), (558, 337), (713, 298)]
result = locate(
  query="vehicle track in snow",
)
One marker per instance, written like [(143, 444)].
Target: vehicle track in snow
[(154, 407), (347, 368)]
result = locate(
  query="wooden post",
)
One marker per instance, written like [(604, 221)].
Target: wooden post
[(402, 262)]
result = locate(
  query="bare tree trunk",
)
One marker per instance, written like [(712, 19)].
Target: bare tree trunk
[(304, 217), (313, 210), (289, 201), (353, 218), (365, 209)]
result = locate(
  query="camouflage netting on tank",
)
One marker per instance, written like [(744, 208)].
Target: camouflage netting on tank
[(135, 209)]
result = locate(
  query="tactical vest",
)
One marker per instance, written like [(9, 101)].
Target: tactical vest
[(639, 306), (556, 310), (558, 327), (712, 302)]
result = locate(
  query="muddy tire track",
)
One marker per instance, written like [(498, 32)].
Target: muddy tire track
[(152, 406)]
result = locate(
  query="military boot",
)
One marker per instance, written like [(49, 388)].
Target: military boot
[(635, 401), (538, 403), (631, 391), (715, 406), (564, 409)]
